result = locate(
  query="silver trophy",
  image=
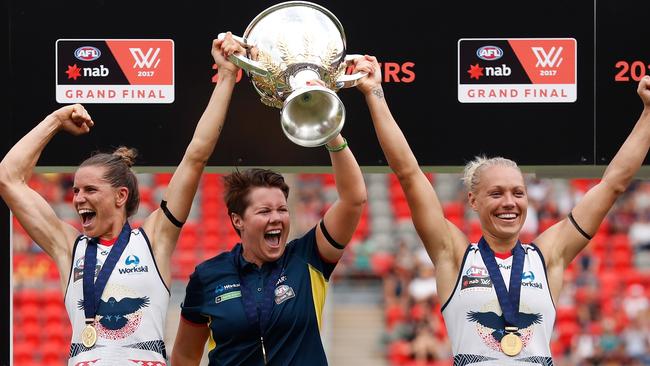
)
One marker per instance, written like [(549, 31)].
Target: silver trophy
[(288, 45)]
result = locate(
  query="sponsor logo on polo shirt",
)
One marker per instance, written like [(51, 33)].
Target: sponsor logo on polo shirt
[(223, 288)]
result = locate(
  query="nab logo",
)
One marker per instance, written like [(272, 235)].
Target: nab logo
[(149, 60), (132, 260), (489, 53), (548, 59), (87, 53)]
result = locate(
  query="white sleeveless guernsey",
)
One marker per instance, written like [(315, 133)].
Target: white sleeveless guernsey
[(131, 315), (475, 321)]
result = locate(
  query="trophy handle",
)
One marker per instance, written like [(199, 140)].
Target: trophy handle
[(245, 63), (348, 81)]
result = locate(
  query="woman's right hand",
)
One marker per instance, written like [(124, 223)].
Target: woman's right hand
[(369, 65), (74, 119)]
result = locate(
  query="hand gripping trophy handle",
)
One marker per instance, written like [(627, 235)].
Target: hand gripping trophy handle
[(242, 61), (349, 81)]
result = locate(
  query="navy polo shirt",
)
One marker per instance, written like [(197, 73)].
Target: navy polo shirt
[(292, 337)]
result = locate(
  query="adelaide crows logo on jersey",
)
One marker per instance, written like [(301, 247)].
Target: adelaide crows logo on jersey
[(120, 312), (490, 324)]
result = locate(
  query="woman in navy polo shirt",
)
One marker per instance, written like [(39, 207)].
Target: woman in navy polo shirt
[(261, 303)]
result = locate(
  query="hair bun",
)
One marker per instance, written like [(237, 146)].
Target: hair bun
[(127, 154)]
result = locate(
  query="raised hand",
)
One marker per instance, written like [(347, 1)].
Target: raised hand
[(368, 64), (644, 91), (74, 119), (222, 48)]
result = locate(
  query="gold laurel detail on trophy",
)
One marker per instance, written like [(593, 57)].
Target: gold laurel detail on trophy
[(308, 48), (286, 56), (329, 61), (267, 61), (271, 102), (330, 55), (266, 87)]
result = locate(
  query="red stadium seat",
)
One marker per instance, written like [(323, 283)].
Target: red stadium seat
[(381, 263)]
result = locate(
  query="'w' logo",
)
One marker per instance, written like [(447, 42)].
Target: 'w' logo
[(548, 59), (143, 60)]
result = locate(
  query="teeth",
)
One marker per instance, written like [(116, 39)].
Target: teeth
[(507, 216), (85, 211), (274, 232)]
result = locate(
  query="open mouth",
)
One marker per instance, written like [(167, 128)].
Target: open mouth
[(87, 217), (507, 216), (272, 237)]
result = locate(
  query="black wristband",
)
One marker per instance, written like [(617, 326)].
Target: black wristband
[(329, 237), (573, 221), (163, 205)]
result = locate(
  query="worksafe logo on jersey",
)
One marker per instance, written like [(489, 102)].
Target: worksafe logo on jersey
[(132, 266), (114, 71), (518, 70)]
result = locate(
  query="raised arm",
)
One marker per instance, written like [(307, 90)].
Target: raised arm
[(562, 242), (342, 217), (185, 181), (33, 212), (443, 241)]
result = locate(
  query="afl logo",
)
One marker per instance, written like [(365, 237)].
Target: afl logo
[(489, 53), (87, 53)]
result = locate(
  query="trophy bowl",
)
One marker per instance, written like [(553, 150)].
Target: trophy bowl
[(296, 61)]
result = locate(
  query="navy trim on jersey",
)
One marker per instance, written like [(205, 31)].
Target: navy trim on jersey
[(548, 284), (460, 274), (146, 239), (74, 248)]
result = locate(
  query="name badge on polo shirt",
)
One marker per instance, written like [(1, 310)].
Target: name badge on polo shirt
[(222, 295), (227, 296), (283, 293)]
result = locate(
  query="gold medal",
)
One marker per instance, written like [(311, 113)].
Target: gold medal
[(89, 336), (511, 344)]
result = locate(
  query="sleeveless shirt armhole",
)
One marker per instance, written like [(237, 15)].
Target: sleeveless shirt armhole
[(541, 256), (146, 239), (460, 273), (74, 249)]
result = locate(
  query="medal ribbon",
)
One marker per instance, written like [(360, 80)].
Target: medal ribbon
[(508, 298), (92, 288)]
